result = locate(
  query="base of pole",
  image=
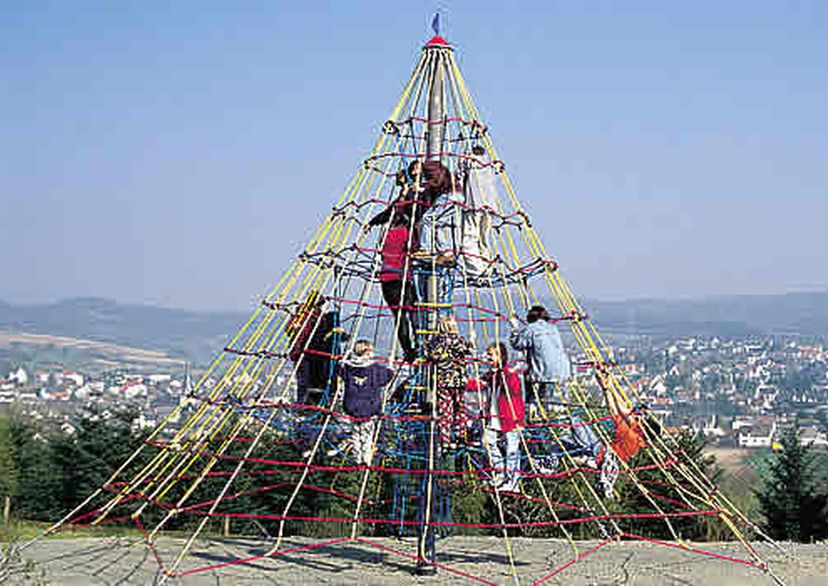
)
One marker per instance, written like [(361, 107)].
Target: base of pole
[(425, 570)]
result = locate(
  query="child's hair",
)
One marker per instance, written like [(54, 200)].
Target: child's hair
[(501, 350), (537, 312), (652, 424), (400, 179), (410, 173), (363, 347), (478, 150), (400, 218), (314, 300), (438, 179), (447, 324)]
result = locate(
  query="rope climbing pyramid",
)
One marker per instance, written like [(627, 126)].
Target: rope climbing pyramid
[(420, 373)]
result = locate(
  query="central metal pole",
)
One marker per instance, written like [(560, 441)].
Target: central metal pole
[(436, 106), (435, 131)]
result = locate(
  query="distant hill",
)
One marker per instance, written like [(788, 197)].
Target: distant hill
[(804, 314), (198, 336), (191, 335)]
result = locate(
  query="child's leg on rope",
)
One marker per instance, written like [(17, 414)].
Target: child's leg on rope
[(363, 441), (347, 443), (546, 395), (301, 382), (446, 290), (445, 414), (356, 440), (583, 435), (492, 439), (458, 395), (392, 292), (409, 298), (512, 458)]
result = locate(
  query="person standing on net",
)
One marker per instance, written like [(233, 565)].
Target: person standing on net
[(629, 435), (396, 281), (438, 234), (503, 418), (624, 432), (363, 381), (546, 355), (447, 352), (478, 180)]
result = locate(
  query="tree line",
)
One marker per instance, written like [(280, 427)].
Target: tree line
[(45, 472)]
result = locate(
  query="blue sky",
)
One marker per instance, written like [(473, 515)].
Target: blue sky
[(179, 155)]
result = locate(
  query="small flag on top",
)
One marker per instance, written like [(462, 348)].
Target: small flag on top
[(435, 23)]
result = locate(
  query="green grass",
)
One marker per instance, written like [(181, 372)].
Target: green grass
[(22, 530)]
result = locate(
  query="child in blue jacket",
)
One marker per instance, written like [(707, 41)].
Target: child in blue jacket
[(545, 353)]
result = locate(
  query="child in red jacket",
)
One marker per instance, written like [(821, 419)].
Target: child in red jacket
[(395, 278), (504, 416)]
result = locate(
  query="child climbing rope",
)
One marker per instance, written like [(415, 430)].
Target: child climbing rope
[(479, 185), (409, 200), (315, 368), (314, 339), (300, 325), (504, 416), (396, 280), (627, 437), (447, 351), (438, 237), (441, 220), (547, 358), (363, 381)]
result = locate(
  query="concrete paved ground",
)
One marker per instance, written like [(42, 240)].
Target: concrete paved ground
[(111, 561)]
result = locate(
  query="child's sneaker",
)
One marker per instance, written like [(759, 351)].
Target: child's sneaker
[(510, 485), (547, 465), (608, 475)]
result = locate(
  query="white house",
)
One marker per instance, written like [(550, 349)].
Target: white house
[(759, 437), (813, 436), (83, 392), (73, 378), (18, 377)]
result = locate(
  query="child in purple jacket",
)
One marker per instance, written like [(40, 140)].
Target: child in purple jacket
[(363, 381)]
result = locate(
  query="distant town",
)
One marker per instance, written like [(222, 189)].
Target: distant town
[(60, 396), (737, 393)]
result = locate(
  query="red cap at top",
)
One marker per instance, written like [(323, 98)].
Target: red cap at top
[(437, 41)]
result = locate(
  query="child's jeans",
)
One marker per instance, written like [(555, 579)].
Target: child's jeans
[(492, 438), (362, 440)]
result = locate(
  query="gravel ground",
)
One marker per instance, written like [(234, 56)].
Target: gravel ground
[(110, 561)]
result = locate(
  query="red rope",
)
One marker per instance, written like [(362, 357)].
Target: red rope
[(258, 557), (149, 543), (575, 521), (578, 558), (694, 550)]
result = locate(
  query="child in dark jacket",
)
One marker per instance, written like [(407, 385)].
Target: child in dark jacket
[(363, 381)]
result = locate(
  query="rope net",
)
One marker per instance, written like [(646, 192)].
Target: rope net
[(401, 380)]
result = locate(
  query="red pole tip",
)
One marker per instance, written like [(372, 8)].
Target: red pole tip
[(437, 41)]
